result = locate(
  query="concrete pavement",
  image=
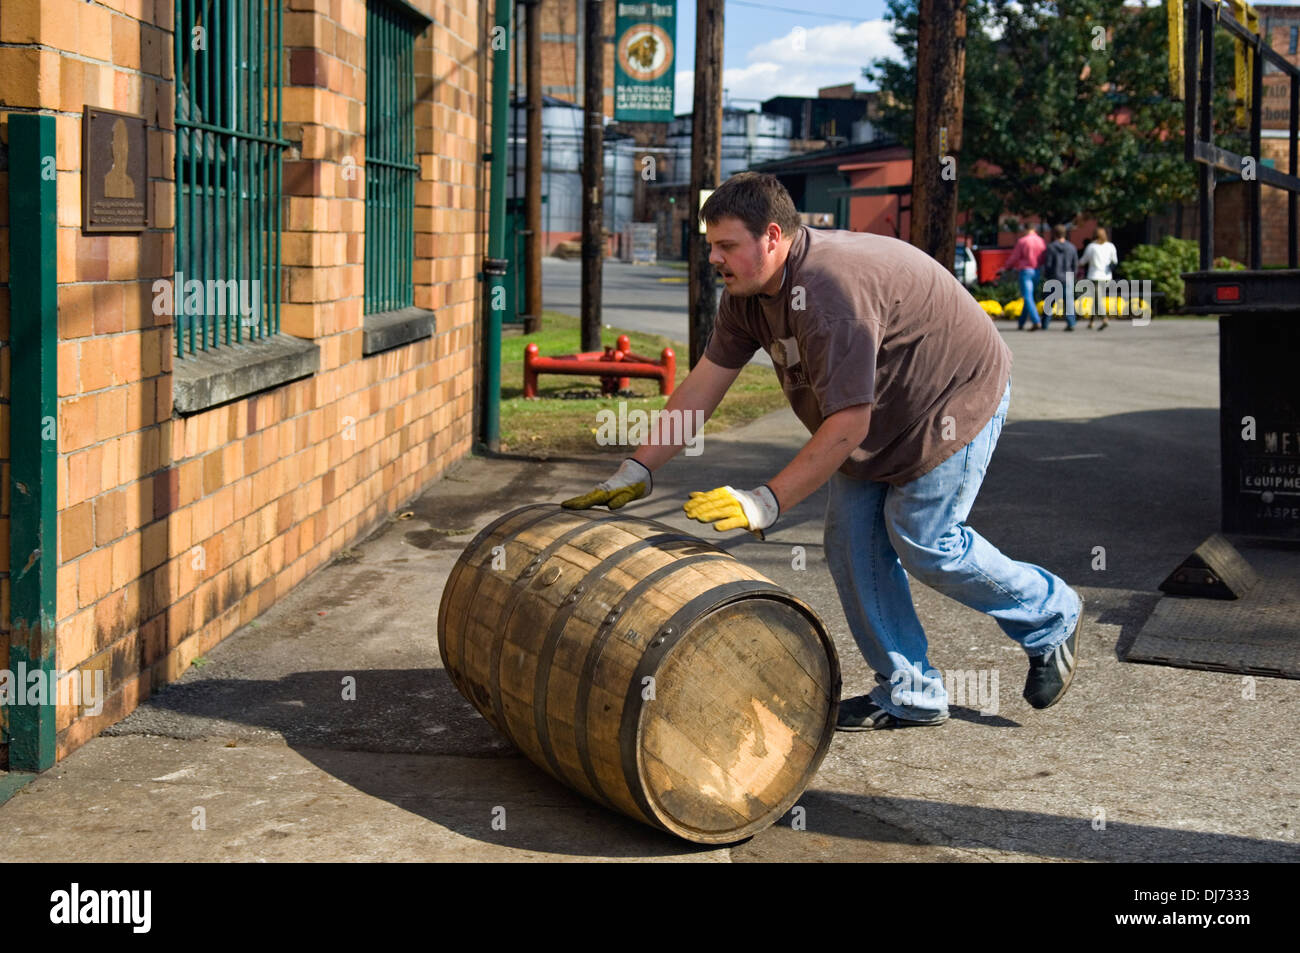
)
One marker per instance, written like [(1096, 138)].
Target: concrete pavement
[(1111, 442)]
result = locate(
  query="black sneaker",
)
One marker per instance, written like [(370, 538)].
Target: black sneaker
[(862, 714), (1050, 675)]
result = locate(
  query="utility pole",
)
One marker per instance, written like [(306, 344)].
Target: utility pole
[(593, 172), (940, 83), (533, 171), (706, 151)]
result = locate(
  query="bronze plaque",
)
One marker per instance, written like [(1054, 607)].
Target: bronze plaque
[(114, 171)]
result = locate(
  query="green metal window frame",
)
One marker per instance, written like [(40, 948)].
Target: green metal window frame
[(229, 178), (391, 168)]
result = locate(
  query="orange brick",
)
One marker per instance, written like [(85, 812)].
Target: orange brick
[(67, 368), (94, 576), (137, 307), (202, 520), (76, 305), (126, 356), (126, 560), (68, 188), (96, 364), (212, 473), (96, 39), (108, 465), (123, 257), (154, 544), (92, 253), (150, 353), (140, 406), (110, 517), (126, 43), (76, 640), (71, 91), (76, 532), (191, 484), (21, 23), (107, 308), (140, 504), (19, 76), (77, 424), (66, 590), (110, 414)]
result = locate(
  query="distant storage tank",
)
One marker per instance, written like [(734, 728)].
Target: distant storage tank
[(748, 138), (561, 162), (620, 182), (562, 168)]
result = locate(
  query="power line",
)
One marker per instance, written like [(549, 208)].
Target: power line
[(804, 13)]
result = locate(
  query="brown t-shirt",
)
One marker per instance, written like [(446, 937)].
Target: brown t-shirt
[(868, 319)]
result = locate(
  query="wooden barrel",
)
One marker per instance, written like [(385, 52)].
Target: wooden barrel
[(643, 667)]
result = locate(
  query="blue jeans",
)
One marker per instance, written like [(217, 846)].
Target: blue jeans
[(1028, 277), (875, 531), (1067, 305)]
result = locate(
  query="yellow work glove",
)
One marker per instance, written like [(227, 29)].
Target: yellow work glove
[(631, 482), (728, 508)]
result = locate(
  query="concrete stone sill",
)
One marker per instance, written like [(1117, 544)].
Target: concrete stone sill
[(387, 329), (227, 373)]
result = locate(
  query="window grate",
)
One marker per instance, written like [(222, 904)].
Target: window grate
[(391, 168), (228, 172)]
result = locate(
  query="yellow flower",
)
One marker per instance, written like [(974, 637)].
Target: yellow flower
[(1012, 309), (991, 308)]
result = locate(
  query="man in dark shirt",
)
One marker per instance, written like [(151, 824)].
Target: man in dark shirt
[(904, 384), (1059, 263)]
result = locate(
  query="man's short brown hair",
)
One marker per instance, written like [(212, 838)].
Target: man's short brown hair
[(755, 198), (1058, 232)]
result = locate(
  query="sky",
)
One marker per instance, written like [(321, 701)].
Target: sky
[(772, 49)]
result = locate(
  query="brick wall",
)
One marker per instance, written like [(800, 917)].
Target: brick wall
[(174, 531), (562, 47)]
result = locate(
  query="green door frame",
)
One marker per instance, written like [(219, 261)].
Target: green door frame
[(33, 434)]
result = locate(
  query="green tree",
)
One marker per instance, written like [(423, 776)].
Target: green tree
[(1070, 101)]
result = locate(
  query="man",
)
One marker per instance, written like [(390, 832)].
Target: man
[(904, 384), (1059, 263), (1025, 258)]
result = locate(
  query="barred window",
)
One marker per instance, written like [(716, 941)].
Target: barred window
[(228, 172), (390, 156)]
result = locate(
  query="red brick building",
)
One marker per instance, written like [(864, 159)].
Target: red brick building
[(202, 467)]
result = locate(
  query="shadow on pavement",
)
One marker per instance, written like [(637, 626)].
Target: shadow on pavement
[(894, 820)]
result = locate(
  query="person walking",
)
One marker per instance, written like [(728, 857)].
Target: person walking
[(904, 385), (1059, 263), (1100, 259), (1025, 259)]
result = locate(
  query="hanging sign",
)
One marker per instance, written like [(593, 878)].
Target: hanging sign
[(644, 60)]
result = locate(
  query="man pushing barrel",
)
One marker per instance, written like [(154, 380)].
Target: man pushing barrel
[(904, 383)]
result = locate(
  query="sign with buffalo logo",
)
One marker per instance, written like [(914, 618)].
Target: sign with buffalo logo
[(644, 62), (114, 179)]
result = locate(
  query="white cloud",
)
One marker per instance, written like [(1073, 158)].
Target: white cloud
[(800, 62)]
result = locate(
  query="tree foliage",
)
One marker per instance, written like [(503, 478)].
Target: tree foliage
[(1067, 103)]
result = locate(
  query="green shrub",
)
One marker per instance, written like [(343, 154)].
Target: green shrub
[(1164, 264), (1008, 289)]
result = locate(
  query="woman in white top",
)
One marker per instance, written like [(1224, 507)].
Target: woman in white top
[(1100, 259)]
